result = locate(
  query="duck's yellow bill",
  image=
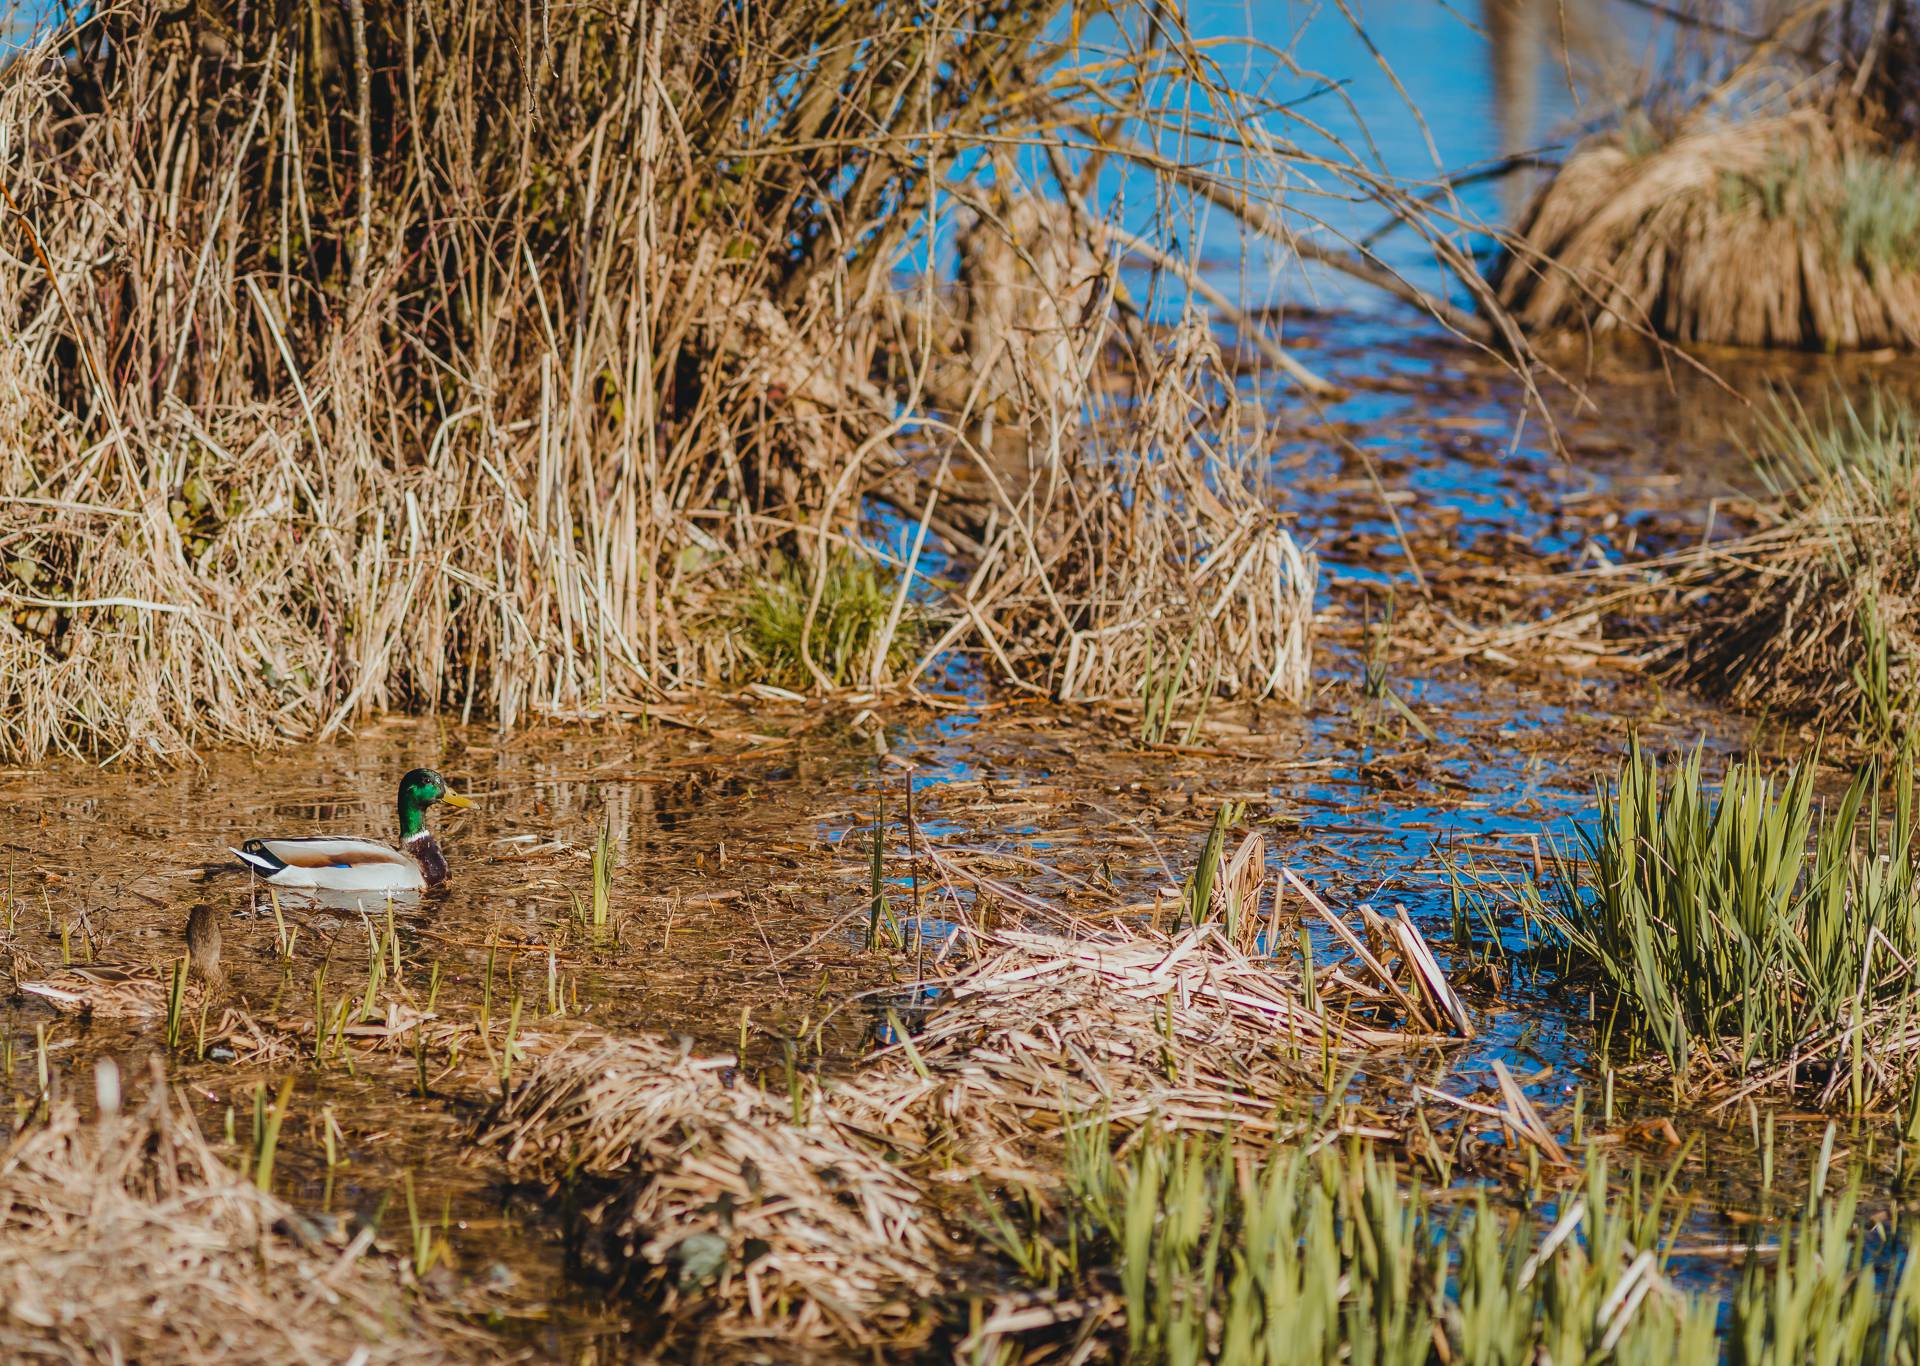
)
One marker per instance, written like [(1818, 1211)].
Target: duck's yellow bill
[(454, 799)]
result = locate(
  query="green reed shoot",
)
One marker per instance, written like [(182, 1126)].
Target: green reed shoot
[(266, 1131), (603, 865), (1197, 895), (426, 1247), (1375, 684), (1160, 686), (878, 911), (376, 973), (176, 1002), (1881, 712), (393, 944), (506, 1052)]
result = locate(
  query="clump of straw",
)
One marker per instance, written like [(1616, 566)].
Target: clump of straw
[(1799, 230), (721, 1198), (1187, 1031), (126, 1239), (1813, 616)]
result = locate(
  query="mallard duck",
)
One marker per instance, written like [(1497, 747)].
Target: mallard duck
[(96, 989), (339, 864)]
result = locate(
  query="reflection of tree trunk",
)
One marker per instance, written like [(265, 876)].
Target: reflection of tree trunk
[(1580, 39), (1514, 28)]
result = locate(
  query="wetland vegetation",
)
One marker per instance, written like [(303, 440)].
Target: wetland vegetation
[(1106, 689)]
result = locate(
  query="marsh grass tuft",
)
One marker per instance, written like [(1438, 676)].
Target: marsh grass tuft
[(853, 615), (1752, 927), (604, 860), (1812, 616), (1798, 230)]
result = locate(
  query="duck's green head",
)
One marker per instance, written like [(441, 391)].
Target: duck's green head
[(419, 790)]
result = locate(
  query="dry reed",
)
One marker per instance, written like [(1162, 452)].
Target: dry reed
[(1800, 230), (127, 1239), (430, 356), (1811, 616)]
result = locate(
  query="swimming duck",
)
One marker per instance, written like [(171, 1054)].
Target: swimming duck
[(96, 989), (339, 864)]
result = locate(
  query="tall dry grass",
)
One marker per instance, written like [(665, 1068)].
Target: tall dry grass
[(1757, 188), (1800, 230), (412, 354)]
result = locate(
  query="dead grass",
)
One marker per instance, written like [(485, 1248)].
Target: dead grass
[(1800, 230), (425, 357), (1813, 615), (816, 1214), (720, 1198), (126, 1239)]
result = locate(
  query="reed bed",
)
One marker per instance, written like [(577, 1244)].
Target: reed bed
[(127, 1239), (419, 356), (1180, 1249), (1750, 937)]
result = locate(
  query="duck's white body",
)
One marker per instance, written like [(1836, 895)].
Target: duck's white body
[(332, 863)]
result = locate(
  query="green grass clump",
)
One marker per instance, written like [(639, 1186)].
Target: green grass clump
[(1742, 927), (1864, 207), (1877, 212), (856, 605), (1201, 1251), (1327, 1257)]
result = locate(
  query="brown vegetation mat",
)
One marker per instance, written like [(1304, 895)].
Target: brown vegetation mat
[(126, 1239), (1791, 231), (1186, 1032), (815, 1213), (722, 1195)]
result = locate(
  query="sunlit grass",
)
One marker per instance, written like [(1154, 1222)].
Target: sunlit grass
[(850, 623), (1739, 927)]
